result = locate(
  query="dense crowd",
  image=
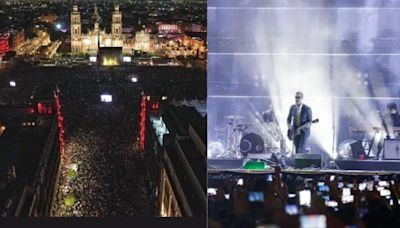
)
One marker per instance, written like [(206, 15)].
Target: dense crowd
[(111, 178), (103, 173), (292, 200)]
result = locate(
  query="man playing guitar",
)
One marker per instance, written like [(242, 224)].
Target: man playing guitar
[(299, 122)]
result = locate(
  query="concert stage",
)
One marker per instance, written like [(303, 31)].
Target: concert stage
[(346, 167)]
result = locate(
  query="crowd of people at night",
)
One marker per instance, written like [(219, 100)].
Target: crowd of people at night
[(283, 199), (103, 172)]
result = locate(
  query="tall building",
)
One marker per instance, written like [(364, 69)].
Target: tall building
[(175, 145), (90, 42)]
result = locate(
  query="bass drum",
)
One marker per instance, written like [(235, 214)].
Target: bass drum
[(251, 143)]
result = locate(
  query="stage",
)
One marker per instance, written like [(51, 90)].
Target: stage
[(345, 167)]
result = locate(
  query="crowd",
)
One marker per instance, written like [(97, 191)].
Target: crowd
[(103, 173), (300, 200), (111, 178)]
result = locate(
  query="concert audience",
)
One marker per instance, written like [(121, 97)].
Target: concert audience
[(103, 173), (375, 202)]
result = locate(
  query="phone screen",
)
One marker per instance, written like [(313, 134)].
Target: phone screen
[(370, 185), (211, 191), (385, 192), (305, 198), (346, 192), (315, 221), (347, 199), (323, 188), (291, 209), (362, 186), (331, 203), (256, 196), (240, 182), (383, 183)]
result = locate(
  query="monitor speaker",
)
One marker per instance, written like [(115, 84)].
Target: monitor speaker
[(302, 161), (392, 149)]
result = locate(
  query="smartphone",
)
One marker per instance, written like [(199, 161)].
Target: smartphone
[(305, 198), (291, 209), (385, 192), (362, 186), (227, 196), (346, 192), (350, 185), (370, 185), (240, 182), (331, 203), (211, 191), (315, 221), (347, 199), (256, 196), (383, 183), (323, 188), (332, 178)]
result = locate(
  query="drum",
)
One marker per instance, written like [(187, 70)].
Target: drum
[(251, 143)]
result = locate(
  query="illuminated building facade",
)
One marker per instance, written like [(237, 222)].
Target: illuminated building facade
[(142, 41), (176, 154), (168, 28), (89, 43)]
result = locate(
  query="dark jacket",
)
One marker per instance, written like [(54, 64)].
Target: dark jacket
[(305, 117)]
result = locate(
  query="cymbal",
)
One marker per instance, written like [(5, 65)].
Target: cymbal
[(234, 117)]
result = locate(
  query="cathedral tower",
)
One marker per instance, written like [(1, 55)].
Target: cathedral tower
[(75, 29)]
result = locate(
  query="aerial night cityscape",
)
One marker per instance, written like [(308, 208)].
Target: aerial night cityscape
[(103, 108)]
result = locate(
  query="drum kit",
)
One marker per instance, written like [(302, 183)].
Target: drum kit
[(242, 140)]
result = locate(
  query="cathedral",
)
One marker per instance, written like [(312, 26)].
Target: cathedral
[(90, 42)]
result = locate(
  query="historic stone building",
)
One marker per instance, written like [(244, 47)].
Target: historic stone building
[(90, 42)]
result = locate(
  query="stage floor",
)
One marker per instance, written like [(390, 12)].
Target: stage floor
[(306, 172), (346, 167)]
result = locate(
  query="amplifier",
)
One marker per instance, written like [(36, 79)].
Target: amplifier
[(303, 160), (391, 149)]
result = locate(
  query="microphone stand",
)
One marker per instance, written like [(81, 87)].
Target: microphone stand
[(331, 162)]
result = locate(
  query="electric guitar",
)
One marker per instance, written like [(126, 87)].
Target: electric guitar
[(291, 133)]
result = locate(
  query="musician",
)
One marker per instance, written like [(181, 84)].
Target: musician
[(299, 120), (390, 120)]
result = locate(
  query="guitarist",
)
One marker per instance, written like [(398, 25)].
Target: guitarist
[(299, 122)]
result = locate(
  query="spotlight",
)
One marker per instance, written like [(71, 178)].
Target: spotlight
[(13, 83)]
